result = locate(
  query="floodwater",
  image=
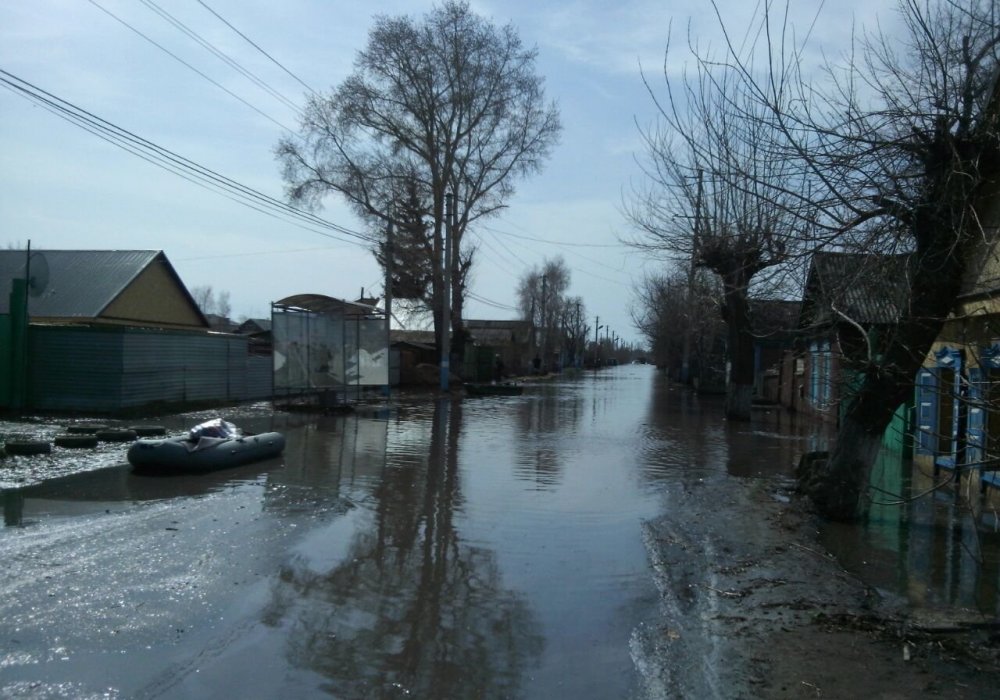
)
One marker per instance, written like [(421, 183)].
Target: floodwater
[(478, 547)]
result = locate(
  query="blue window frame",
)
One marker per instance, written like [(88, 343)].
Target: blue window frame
[(820, 374), (927, 410), (949, 428)]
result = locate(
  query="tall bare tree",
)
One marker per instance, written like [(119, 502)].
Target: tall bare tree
[(678, 316), (542, 299), (449, 103), (712, 199), (902, 150), (210, 301)]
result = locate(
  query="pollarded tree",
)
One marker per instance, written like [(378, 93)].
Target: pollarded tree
[(677, 314), (902, 148), (700, 207), (449, 102)]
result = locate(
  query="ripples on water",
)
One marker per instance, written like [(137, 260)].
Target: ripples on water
[(458, 548)]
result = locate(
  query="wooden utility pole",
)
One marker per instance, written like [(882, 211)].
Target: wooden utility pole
[(545, 329)]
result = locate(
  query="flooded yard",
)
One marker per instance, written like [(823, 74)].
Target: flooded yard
[(477, 547)]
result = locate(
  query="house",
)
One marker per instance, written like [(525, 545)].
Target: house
[(414, 352), (137, 288), (774, 324), (958, 387), (222, 324), (260, 339), (107, 331), (511, 341), (254, 326), (849, 299)]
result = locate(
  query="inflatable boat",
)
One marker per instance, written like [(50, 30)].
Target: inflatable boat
[(203, 454)]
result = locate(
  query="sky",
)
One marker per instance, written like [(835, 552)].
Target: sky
[(131, 63)]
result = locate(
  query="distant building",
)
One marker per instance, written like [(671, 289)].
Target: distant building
[(510, 340), (259, 336)]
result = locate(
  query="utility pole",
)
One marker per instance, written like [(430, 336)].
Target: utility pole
[(577, 339), (388, 306), (597, 330), (545, 328), (446, 300), (686, 348), (534, 331)]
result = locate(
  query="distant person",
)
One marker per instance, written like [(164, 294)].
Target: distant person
[(498, 369), (536, 364)]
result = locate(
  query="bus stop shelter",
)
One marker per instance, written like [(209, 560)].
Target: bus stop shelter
[(328, 351)]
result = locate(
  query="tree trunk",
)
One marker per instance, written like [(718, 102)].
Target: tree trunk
[(739, 391), (837, 485), (437, 280)]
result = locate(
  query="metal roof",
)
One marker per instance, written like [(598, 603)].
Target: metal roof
[(81, 283), (867, 288)]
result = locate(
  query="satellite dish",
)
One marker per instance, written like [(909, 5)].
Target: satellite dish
[(38, 274)]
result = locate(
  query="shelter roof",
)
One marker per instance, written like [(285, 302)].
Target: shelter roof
[(322, 304), (81, 283)]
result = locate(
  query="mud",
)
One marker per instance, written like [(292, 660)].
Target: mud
[(759, 609)]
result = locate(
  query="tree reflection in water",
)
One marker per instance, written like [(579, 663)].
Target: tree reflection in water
[(547, 434), (410, 610)]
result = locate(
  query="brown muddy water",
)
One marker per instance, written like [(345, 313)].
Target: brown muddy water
[(485, 547)]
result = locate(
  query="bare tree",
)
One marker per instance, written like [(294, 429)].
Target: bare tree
[(678, 315), (542, 300), (447, 104), (713, 200), (902, 152), (210, 301), (573, 330)]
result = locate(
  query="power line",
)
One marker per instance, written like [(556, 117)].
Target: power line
[(255, 253), (249, 41), (506, 268), (504, 246), (567, 244), (188, 65), (219, 54), (570, 251), (490, 302), (173, 162)]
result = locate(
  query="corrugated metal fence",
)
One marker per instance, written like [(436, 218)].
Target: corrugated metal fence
[(108, 369)]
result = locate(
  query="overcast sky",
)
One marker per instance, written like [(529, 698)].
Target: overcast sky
[(64, 188)]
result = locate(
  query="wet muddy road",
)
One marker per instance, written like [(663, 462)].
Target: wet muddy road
[(522, 547)]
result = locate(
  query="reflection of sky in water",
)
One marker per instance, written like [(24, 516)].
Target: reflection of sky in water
[(489, 545)]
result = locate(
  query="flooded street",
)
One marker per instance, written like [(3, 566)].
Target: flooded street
[(484, 547)]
